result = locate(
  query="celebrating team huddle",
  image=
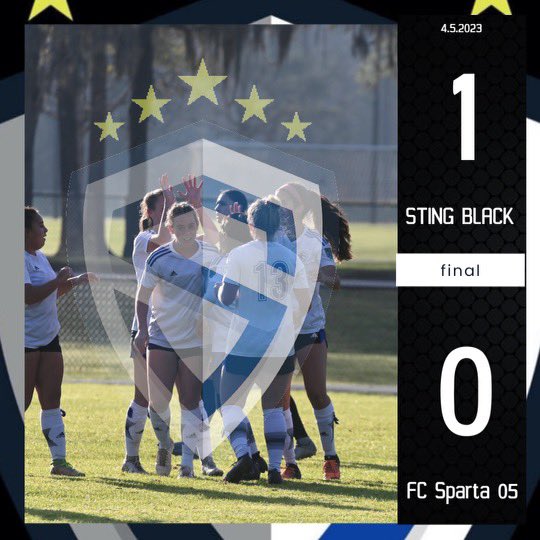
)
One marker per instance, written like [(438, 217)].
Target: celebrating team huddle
[(216, 314)]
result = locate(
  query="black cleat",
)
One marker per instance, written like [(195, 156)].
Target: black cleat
[(240, 470), (274, 477), (259, 461)]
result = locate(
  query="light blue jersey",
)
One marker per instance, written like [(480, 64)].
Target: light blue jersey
[(264, 273)]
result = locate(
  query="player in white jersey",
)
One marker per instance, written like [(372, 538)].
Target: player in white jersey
[(152, 234), (173, 276), (311, 346), (264, 279), (44, 364)]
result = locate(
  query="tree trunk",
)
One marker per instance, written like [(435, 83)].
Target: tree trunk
[(33, 100), (98, 103), (142, 78)]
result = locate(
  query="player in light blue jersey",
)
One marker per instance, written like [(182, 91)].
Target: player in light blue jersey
[(311, 346), (259, 278)]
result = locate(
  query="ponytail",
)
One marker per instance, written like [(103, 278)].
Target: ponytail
[(336, 230), (148, 203)]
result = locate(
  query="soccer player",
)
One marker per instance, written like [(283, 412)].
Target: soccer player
[(259, 278), (153, 233), (173, 277), (234, 232), (311, 346), (44, 363), (226, 200)]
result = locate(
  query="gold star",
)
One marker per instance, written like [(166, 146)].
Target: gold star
[(296, 128), (109, 127), (482, 5), (151, 105), (254, 106), (202, 84), (41, 5)]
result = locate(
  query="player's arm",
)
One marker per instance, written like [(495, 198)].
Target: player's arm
[(227, 292), (329, 277), (163, 235), (87, 277), (193, 195), (34, 294), (142, 302)]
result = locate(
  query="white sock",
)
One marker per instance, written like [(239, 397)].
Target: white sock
[(288, 451), (52, 426), (235, 428), (274, 433), (191, 427), (161, 422), (325, 422), (135, 422), (205, 449)]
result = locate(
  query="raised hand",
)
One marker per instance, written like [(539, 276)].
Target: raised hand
[(235, 208), (193, 193), (167, 190)]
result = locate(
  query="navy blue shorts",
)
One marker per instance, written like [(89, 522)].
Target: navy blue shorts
[(307, 340), (53, 346), (244, 365)]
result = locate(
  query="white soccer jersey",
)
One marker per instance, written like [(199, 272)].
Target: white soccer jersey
[(309, 244), (41, 323), (139, 256), (177, 284), (265, 272)]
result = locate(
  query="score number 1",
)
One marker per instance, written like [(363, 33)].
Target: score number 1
[(464, 85)]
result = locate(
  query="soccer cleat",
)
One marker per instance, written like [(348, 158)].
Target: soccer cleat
[(209, 467), (291, 472), (132, 464), (61, 467), (240, 470), (186, 472), (305, 448), (274, 477), (163, 462), (259, 461), (331, 468)]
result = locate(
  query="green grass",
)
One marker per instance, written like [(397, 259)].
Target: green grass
[(365, 438), (374, 246)]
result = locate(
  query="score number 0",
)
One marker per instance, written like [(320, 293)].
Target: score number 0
[(464, 85)]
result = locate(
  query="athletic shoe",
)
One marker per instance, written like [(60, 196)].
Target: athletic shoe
[(61, 467), (331, 468), (133, 465), (163, 462), (305, 448), (274, 477), (186, 472), (240, 470), (291, 472), (259, 461), (209, 467)]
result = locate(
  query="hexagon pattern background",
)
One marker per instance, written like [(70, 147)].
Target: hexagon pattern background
[(435, 321)]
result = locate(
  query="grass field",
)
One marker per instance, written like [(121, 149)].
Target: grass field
[(365, 437), (374, 245)]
